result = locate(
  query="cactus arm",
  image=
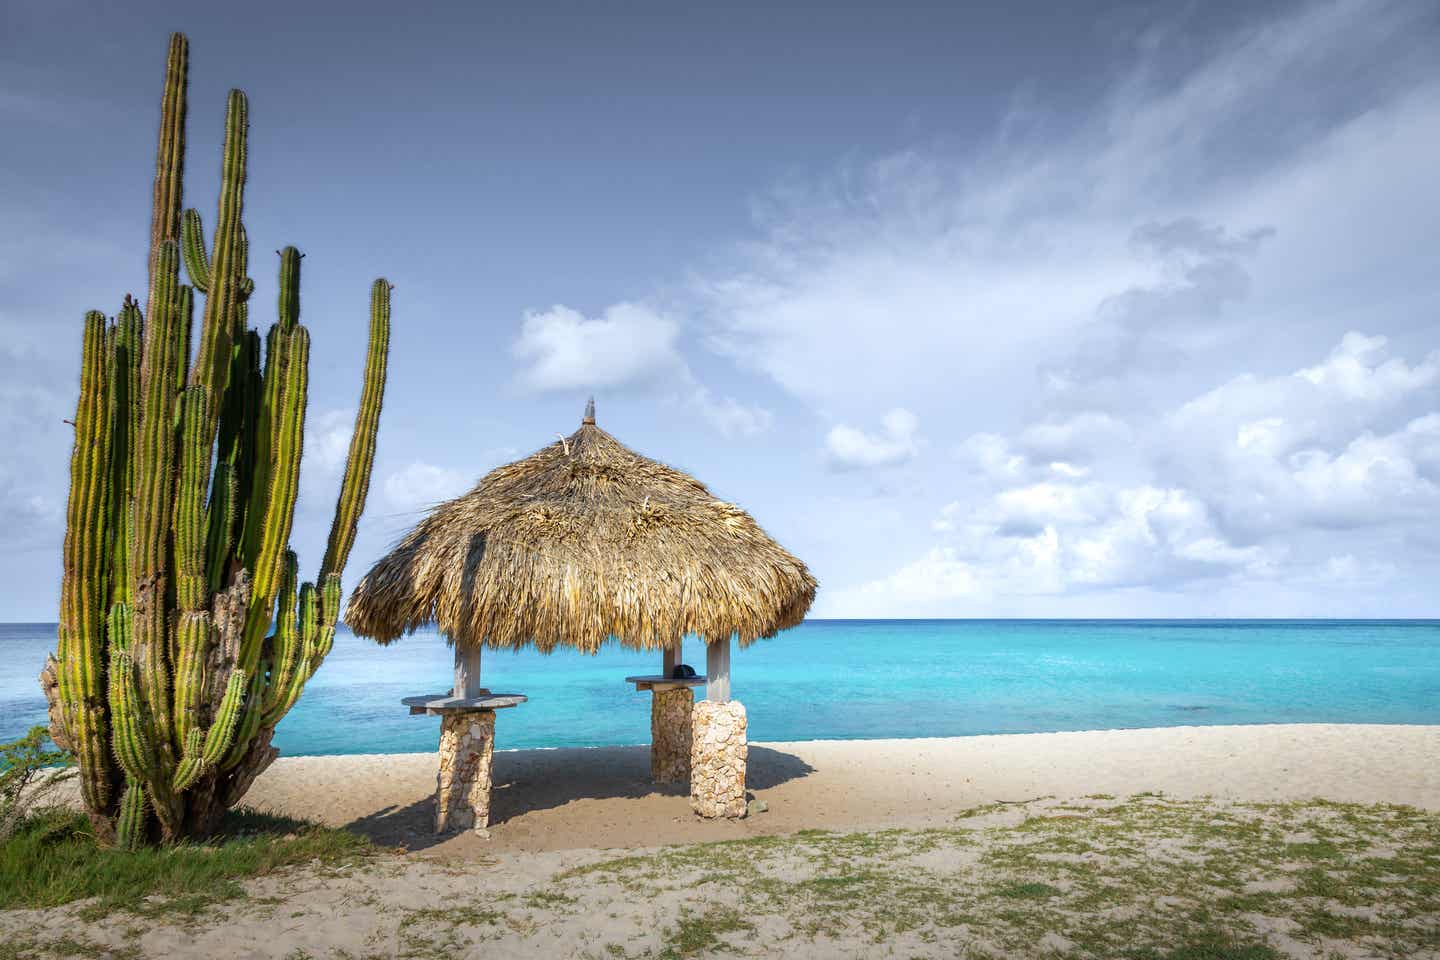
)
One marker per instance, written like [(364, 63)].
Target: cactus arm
[(185, 305), (81, 633), (288, 307), (169, 161), (192, 764), (222, 732), (358, 463), (233, 471), (285, 472), (285, 688), (130, 828), (194, 638), (217, 327), (250, 717), (245, 286), (248, 413), (192, 245), (286, 649), (266, 411), (309, 624), (220, 524), (125, 428), (273, 525), (191, 583), (233, 408), (132, 746), (329, 616), (270, 421), (154, 500)]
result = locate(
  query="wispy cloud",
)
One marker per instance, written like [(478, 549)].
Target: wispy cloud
[(629, 346), (1077, 297), (850, 448)]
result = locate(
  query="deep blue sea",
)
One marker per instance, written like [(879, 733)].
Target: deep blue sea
[(844, 679)]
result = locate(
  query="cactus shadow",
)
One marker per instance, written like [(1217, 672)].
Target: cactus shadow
[(532, 786)]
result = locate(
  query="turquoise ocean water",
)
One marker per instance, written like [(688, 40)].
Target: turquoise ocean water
[(844, 679)]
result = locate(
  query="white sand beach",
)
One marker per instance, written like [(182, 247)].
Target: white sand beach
[(602, 797)]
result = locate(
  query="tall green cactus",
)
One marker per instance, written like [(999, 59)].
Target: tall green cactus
[(172, 668)]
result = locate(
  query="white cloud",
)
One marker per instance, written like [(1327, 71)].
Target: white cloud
[(1129, 242), (419, 486), (850, 448), (628, 344), (327, 441), (1343, 443), (990, 455), (1359, 369), (728, 415), (1080, 437), (1278, 479)]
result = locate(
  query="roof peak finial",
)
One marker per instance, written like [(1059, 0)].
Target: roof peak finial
[(589, 412)]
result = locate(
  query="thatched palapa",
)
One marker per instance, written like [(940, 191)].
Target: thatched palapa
[(580, 542)]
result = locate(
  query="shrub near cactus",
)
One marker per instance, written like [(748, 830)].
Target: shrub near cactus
[(168, 680)]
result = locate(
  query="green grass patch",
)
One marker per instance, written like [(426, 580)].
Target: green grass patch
[(549, 899), (53, 859), (1028, 891), (701, 933), (1210, 945), (1145, 878)]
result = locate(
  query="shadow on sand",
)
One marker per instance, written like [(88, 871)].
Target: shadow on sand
[(529, 782)]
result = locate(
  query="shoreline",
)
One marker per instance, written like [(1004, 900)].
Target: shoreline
[(571, 798), (898, 740)]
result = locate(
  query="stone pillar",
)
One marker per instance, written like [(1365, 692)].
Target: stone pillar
[(670, 709), (462, 790), (717, 759)]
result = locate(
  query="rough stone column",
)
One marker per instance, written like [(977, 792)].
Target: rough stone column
[(718, 751), (462, 790), (670, 721)]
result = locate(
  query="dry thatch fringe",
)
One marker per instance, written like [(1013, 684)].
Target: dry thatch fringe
[(580, 542)]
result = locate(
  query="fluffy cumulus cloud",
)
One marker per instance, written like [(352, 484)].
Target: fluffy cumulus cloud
[(629, 346), (898, 441), (1346, 443), (1319, 477)]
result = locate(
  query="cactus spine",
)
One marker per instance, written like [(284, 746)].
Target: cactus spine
[(185, 635)]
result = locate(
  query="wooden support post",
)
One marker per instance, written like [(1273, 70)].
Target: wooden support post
[(672, 657), (717, 670), (467, 672)]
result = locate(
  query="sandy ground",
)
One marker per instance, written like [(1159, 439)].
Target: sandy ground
[(542, 885), (599, 798)]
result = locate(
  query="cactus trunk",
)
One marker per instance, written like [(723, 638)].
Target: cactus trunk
[(185, 635)]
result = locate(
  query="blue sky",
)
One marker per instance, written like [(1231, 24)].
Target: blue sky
[(982, 309)]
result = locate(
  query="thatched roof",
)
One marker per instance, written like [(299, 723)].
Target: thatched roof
[(580, 542)]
